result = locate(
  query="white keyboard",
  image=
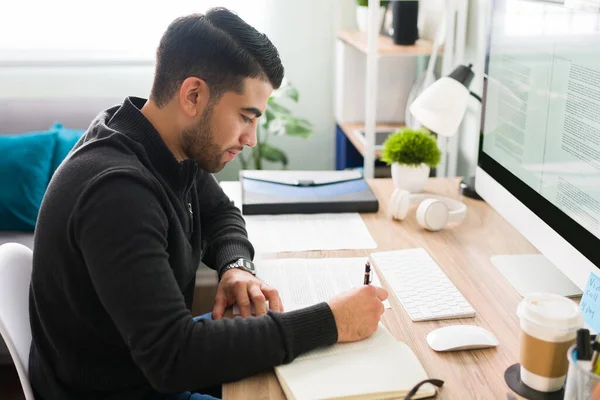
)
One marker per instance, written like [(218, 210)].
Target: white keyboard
[(421, 286)]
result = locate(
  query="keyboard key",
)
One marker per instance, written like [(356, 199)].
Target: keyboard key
[(455, 310), (425, 312)]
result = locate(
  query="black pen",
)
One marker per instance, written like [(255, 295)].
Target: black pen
[(367, 273), (584, 345)]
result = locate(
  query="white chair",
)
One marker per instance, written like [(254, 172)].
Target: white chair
[(15, 276)]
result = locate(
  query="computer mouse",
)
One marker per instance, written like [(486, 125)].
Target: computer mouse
[(460, 337)]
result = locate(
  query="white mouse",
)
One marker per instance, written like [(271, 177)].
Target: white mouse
[(460, 337)]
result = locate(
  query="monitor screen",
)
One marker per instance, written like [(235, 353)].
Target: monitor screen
[(541, 113)]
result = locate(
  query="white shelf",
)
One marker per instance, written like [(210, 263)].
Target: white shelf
[(385, 44), (363, 92)]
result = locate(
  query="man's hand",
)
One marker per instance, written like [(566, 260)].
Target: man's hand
[(357, 312), (243, 288)]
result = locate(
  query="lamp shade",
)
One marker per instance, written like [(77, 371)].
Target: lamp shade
[(442, 106)]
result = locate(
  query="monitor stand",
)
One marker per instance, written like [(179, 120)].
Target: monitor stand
[(529, 273)]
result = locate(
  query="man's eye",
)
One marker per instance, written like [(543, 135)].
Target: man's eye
[(246, 119)]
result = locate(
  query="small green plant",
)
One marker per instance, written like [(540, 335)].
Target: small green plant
[(411, 147), (365, 3)]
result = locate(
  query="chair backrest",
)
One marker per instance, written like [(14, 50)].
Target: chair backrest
[(15, 277)]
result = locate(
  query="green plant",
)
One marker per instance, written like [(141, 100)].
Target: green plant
[(276, 121), (365, 3), (411, 147)]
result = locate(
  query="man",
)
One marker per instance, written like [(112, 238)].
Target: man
[(133, 210)]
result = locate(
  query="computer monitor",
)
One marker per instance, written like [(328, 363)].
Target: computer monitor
[(539, 162)]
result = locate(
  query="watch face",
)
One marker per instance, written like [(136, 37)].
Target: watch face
[(248, 265)]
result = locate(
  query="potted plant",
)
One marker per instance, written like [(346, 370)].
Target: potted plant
[(277, 120), (412, 154), (362, 13)]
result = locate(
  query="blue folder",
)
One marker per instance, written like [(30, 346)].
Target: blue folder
[(305, 192)]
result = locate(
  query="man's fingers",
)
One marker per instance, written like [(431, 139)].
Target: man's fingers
[(381, 294), (258, 299), (381, 308), (273, 296), (220, 305), (240, 293)]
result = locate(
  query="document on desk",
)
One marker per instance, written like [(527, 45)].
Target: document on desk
[(302, 282), (378, 367), (303, 232)]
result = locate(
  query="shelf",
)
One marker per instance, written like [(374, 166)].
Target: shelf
[(385, 45), (350, 127)]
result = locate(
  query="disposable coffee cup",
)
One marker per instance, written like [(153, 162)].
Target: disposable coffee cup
[(549, 325)]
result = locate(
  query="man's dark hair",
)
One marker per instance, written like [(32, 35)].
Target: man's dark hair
[(218, 47)]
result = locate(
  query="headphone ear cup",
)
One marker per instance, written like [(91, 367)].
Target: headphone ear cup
[(399, 204), (432, 214)]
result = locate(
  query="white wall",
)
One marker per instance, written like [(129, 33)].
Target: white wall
[(84, 81)]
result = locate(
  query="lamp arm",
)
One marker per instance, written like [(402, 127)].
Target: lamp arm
[(476, 96)]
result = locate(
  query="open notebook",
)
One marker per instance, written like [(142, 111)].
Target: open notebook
[(378, 367)]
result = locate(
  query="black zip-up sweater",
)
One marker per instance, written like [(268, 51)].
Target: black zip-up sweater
[(120, 234)]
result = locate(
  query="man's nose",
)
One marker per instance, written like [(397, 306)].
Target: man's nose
[(249, 138)]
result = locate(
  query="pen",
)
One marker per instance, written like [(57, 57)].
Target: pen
[(596, 347), (595, 363), (367, 279), (584, 349)]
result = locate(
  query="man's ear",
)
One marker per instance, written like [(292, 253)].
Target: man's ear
[(193, 96)]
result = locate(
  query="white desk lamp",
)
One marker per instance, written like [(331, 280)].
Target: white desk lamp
[(442, 106)]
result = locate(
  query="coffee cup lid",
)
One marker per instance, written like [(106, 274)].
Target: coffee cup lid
[(550, 310)]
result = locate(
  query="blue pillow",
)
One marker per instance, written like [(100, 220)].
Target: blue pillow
[(24, 175), (66, 139)]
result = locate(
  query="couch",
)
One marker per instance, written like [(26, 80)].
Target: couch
[(24, 116)]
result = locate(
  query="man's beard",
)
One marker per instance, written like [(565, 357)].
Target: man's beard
[(197, 143)]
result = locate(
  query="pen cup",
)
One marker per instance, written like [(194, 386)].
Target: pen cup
[(581, 384)]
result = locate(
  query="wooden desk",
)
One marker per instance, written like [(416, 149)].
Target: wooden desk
[(463, 252)]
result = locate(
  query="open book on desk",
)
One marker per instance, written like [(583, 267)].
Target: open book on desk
[(378, 367)]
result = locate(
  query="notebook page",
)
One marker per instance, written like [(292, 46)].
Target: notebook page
[(380, 338), (389, 369), (302, 282)]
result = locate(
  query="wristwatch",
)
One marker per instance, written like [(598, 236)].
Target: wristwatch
[(242, 264)]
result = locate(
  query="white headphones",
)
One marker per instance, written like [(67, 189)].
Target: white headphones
[(434, 212)]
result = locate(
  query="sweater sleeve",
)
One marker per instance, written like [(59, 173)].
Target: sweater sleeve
[(223, 226), (120, 228)]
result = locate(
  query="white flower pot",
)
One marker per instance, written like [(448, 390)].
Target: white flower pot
[(408, 177), (362, 18)]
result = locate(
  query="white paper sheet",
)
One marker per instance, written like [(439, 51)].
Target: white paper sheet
[(303, 232), (302, 282)]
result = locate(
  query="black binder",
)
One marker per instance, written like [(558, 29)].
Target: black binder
[(305, 192)]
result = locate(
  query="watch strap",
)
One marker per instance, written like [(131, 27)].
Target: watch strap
[(239, 263)]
